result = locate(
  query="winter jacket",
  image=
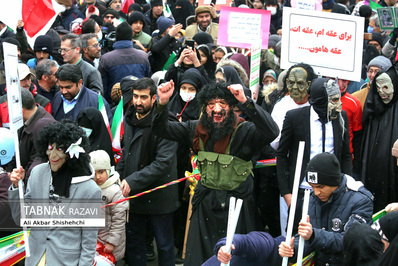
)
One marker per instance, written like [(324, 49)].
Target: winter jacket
[(115, 216), (123, 61), (348, 204), (162, 48), (91, 76)]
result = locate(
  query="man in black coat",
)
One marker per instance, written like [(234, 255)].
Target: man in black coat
[(323, 126), (147, 161)]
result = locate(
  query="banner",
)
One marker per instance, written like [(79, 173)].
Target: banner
[(218, 5), (241, 27), (331, 43)]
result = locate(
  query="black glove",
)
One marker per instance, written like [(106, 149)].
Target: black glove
[(394, 36)]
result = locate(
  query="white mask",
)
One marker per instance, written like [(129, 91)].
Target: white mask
[(276, 60), (272, 9), (385, 88), (99, 36), (87, 130), (187, 96)]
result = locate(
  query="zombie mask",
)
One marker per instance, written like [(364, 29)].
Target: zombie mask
[(334, 98), (297, 85), (385, 88)]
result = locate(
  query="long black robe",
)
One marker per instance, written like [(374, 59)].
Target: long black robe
[(380, 125)]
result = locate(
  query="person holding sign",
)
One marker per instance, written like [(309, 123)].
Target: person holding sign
[(337, 202), (203, 19)]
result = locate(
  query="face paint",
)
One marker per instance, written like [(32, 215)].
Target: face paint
[(56, 156), (385, 88), (335, 106), (297, 85)]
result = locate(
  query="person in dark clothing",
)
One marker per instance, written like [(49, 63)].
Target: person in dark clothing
[(254, 249), (222, 138), (206, 60), (46, 80), (92, 122), (153, 14), (165, 43), (230, 75), (182, 10), (379, 173), (276, 16), (336, 203)]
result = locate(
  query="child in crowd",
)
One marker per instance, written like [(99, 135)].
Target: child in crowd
[(113, 235)]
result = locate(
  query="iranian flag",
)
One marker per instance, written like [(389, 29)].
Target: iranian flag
[(101, 108), (166, 10), (37, 15), (125, 5), (117, 126)]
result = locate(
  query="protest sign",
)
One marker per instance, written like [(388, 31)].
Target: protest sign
[(218, 5), (307, 4), (241, 27), (255, 70), (331, 43)]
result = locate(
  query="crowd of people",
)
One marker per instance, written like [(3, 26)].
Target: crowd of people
[(181, 95)]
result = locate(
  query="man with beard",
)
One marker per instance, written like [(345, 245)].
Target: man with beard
[(46, 80), (203, 19), (147, 161), (324, 128), (225, 144)]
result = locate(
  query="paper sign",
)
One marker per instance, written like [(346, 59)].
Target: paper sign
[(241, 27), (218, 5), (13, 88), (331, 43), (307, 4), (255, 70)]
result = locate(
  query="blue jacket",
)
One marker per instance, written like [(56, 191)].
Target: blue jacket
[(124, 60), (349, 203), (87, 98)]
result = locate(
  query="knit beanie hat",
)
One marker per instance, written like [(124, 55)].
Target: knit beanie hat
[(111, 12), (273, 40), (124, 32), (100, 160), (324, 169), (135, 16), (156, 3), (7, 148), (43, 43), (164, 23), (135, 7), (126, 86), (395, 149), (381, 62)]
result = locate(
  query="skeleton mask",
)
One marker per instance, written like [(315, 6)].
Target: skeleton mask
[(334, 96)]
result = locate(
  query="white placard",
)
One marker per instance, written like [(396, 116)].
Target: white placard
[(331, 43), (255, 69)]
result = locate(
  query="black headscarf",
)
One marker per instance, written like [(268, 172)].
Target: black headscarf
[(99, 139), (180, 14), (192, 110), (319, 98), (231, 76), (209, 66)]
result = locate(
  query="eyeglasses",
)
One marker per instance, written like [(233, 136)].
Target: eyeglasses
[(96, 46), (65, 50)]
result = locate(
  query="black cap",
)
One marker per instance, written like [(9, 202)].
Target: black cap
[(324, 169)]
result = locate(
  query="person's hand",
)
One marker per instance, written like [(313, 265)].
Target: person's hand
[(115, 22), (193, 57), (16, 175), (184, 53), (305, 229), (138, 43), (165, 91), (392, 207), (20, 23), (175, 29), (108, 248), (125, 188), (288, 199), (394, 36), (213, 11), (279, 32), (285, 250), (223, 256), (237, 91)]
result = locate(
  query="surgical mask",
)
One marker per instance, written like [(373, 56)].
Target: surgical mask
[(187, 96), (370, 29), (276, 60), (99, 36), (272, 9), (88, 131)]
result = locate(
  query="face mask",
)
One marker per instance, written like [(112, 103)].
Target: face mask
[(272, 9), (185, 96), (99, 36), (335, 106), (385, 88), (276, 60), (88, 131), (370, 29)]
